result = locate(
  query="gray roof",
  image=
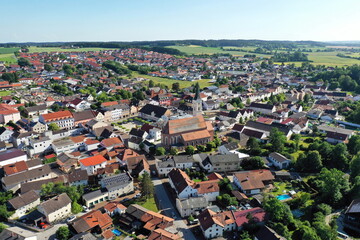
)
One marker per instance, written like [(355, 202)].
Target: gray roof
[(166, 164), (193, 202), (56, 203), (24, 199), (278, 157), (157, 110), (36, 108), (92, 195), (224, 158), (30, 174), (335, 129), (83, 236), (16, 233), (77, 175), (117, 180), (354, 207), (183, 159)]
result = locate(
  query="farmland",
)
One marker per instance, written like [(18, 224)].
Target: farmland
[(168, 82), (317, 58)]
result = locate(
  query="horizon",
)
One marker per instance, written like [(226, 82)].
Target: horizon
[(119, 21)]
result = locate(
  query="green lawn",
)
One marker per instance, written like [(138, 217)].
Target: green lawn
[(280, 187), (59, 49), (5, 93), (149, 204), (8, 58), (168, 82)]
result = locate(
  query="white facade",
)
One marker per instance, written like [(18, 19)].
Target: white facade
[(91, 170), (155, 133), (57, 215), (23, 210)]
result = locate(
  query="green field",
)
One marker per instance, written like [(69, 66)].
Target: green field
[(317, 58), (58, 49), (5, 93), (8, 58), (198, 50), (168, 82), (8, 50)]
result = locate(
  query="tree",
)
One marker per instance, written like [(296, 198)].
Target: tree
[(160, 151), (76, 208), (248, 101), (339, 157), (332, 185), (210, 146), (48, 67), (53, 127), (310, 163), (63, 233), (201, 148), (23, 62), (277, 211), (190, 150), (146, 185), (2, 227), (296, 138), (176, 86), (252, 143), (354, 144), (355, 166), (173, 151), (252, 163), (4, 213), (151, 84), (277, 140)]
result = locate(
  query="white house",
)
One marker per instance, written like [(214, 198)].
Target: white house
[(12, 156), (56, 208), (5, 134), (23, 203), (214, 224), (278, 160), (191, 206), (92, 164)]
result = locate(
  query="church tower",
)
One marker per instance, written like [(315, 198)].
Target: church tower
[(197, 102)]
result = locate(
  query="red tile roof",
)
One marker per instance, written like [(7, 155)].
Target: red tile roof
[(241, 217), (57, 116), (92, 161)]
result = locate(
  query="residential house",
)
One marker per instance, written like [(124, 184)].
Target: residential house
[(81, 118), (36, 111), (64, 119), (92, 164), (118, 185), (262, 108), (23, 203), (17, 233), (78, 178), (214, 224), (279, 160), (8, 113), (113, 208), (191, 206), (13, 182), (94, 222), (242, 217), (12, 156), (352, 216), (225, 163), (254, 181), (154, 113), (164, 165), (335, 134), (5, 134), (56, 208), (266, 233), (137, 165)]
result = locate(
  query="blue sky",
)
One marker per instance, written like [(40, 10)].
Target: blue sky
[(138, 20)]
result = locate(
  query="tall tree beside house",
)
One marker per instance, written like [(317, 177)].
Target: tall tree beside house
[(355, 166), (277, 140), (190, 150), (146, 185), (63, 233), (311, 162), (160, 151), (151, 83), (354, 144), (252, 163), (173, 151), (176, 86), (296, 138), (53, 127), (23, 62), (48, 67), (252, 143), (76, 208)]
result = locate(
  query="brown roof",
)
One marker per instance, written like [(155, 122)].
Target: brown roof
[(77, 175), (253, 179), (185, 125), (24, 199), (207, 186), (161, 234), (30, 174), (15, 168), (91, 220), (195, 135), (136, 162), (208, 218), (111, 206), (111, 142)]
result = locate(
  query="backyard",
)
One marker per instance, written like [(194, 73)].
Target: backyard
[(146, 203)]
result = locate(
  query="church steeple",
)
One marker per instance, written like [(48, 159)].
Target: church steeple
[(197, 102)]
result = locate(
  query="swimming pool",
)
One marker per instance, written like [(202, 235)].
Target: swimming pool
[(283, 197), (116, 232)]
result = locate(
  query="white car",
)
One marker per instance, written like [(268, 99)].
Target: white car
[(85, 208), (70, 219)]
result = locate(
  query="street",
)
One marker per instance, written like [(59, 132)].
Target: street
[(169, 210)]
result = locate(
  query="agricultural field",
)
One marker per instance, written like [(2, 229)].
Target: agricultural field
[(318, 58), (168, 82), (5, 93), (58, 49), (8, 58)]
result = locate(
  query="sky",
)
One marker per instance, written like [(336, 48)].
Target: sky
[(141, 20)]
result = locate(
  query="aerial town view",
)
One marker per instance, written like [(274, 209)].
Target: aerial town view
[(169, 120)]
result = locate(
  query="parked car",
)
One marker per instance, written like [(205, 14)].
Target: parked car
[(70, 219), (125, 200), (137, 195), (85, 208)]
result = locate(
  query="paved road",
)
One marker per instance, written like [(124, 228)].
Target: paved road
[(169, 210)]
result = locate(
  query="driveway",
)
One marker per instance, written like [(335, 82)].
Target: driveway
[(169, 210)]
